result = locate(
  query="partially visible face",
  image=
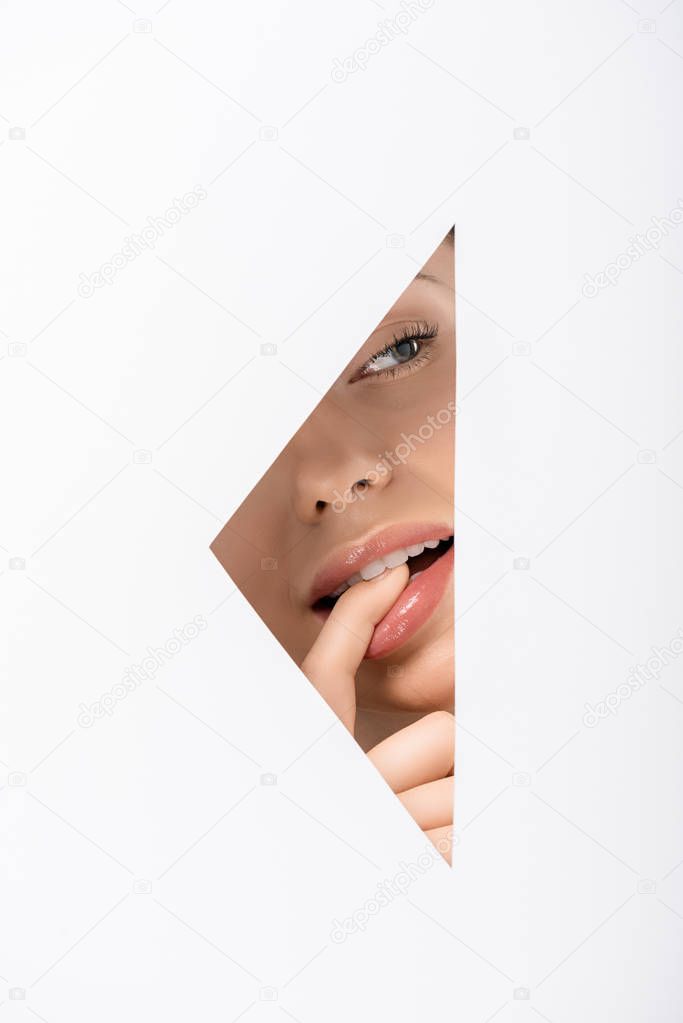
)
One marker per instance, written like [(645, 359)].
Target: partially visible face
[(368, 476)]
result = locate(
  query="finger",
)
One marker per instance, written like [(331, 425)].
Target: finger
[(430, 805), (442, 839), (419, 753), (333, 660)]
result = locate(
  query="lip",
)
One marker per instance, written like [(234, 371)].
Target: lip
[(350, 559), (413, 608)]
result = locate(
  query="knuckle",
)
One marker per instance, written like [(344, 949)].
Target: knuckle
[(442, 718), (443, 723)]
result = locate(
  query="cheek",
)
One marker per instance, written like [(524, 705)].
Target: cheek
[(426, 414), (268, 593), (437, 452), (269, 597), (427, 452), (235, 557)]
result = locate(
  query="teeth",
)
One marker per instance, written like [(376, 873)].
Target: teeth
[(391, 560), (375, 568)]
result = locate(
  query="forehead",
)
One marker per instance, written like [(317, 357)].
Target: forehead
[(434, 281)]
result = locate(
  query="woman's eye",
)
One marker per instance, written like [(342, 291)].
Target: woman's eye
[(410, 349), (396, 355)]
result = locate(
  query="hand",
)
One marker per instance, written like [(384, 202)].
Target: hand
[(417, 761)]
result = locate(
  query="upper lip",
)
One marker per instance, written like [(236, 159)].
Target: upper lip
[(347, 560)]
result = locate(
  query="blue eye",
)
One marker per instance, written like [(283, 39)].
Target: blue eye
[(409, 347), (396, 355)]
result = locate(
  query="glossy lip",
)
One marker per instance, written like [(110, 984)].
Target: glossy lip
[(350, 559), (413, 608)]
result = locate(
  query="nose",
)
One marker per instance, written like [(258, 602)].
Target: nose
[(335, 464)]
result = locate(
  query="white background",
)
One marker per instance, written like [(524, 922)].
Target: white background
[(150, 869)]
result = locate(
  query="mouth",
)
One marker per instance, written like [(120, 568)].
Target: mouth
[(428, 553)]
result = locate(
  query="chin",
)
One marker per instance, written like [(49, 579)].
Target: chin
[(419, 680)]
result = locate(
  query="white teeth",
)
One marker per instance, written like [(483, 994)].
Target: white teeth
[(391, 560), (396, 558), (372, 570)]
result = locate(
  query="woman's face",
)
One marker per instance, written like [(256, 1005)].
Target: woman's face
[(368, 476)]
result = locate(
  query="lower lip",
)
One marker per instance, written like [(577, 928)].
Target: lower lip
[(412, 609)]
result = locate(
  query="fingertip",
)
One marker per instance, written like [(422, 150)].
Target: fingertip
[(372, 598)]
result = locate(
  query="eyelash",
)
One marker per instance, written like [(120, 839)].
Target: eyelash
[(420, 332)]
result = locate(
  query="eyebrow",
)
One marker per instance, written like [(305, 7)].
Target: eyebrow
[(428, 277)]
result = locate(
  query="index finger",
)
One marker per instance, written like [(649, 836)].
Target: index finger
[(333, 660)]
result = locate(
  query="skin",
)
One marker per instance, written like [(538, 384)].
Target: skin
[(417, 760), (399, 707)]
